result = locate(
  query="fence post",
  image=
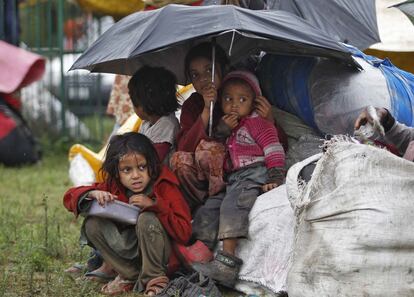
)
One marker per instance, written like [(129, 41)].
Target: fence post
[(62, 88)]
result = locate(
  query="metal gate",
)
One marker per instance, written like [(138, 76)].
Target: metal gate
[(63, 104)]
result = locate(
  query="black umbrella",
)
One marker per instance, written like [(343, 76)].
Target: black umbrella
[(162, 38), (349, 21)]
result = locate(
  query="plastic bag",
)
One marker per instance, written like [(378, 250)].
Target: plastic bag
[(80, 172)]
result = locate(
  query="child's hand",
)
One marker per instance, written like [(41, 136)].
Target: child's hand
[(268, 187), (264, 108), (102, 196), (231, 120), (373, 115), (141, 200), (209, 93)]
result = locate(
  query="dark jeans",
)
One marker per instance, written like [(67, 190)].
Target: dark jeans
[(226, 215)]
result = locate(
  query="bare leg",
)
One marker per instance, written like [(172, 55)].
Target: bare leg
[(106, 268), (103, 274), (229, 245)]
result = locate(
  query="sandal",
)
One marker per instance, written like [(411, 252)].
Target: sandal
[(99, 276), (118, 286), (156, 285), (75, 270)]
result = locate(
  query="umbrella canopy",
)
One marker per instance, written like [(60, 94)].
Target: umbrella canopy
[(407, 7), (162, 38), (353, 22)]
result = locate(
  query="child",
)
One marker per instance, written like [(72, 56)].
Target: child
[(198, 162), (153, 94), (396, 134), (254, 163), (199, 158), (138, 254)]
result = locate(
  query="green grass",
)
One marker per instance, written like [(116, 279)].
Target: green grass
[(38, 237), (100, 126)]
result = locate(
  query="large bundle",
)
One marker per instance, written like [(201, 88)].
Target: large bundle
[(328, 95), (355, 225)]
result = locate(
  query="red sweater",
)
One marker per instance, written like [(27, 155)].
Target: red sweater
[(192, 127), (170, 206), (254, 140)]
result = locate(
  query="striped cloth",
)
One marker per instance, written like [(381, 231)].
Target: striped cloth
[(254, 140)]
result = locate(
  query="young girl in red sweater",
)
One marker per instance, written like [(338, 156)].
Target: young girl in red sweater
[(139, 255)]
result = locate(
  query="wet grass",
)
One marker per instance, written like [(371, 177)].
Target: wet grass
[(38, 237)]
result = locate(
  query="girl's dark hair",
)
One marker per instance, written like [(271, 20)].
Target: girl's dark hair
[(131, 142), (154, 89), (205, 50)]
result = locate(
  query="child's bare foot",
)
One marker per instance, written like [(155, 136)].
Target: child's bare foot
[(103, 274), (75, 270), (118, 286)]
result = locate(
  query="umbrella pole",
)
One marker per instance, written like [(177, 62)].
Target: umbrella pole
[(213, 70)]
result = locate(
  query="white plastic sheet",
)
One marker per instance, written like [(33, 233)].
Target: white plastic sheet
[(80, 172)]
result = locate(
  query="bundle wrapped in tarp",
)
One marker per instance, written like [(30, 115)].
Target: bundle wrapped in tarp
[(328, 95)]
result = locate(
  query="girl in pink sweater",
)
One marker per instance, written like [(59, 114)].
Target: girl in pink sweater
[(254, 163)]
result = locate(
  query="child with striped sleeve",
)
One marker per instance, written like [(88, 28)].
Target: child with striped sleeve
[(254, 163)]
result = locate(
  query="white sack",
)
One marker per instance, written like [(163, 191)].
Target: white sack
[(266, 252), (355, 225)]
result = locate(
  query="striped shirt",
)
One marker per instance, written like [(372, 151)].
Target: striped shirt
[(254, 140)]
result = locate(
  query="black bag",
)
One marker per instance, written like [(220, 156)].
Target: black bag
[(17, 143)]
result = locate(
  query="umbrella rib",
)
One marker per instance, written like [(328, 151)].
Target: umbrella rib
[(298, 8), (231, 43)]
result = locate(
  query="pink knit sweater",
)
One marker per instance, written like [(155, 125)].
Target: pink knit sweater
[(254, 140)]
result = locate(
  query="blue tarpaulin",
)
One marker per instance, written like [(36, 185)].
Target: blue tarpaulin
[(290, 81)]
